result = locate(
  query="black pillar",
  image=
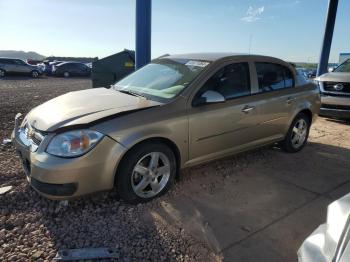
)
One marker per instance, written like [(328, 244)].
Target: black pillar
[(143, 32), (327, 38)]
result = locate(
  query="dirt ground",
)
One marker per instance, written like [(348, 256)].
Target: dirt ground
[(257, 206)]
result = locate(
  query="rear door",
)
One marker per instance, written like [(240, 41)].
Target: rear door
[(277, 97), (70, 68), (21, 66), (220, 128)]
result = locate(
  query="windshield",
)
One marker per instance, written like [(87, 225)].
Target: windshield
[(162, 79), (344, 67)]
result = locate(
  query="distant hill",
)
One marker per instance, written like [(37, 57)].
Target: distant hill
[(35, 56), (77, 59), (21, 55)]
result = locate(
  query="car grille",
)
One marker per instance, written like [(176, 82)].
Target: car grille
[(337, 87), (31, 137)]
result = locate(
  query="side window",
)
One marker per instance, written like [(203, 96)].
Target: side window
[(231, 81), (273, 77), (288, 78), (18, 62), (81, 67), (9, 61)]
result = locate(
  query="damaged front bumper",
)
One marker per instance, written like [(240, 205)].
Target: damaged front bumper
[(64, 178)]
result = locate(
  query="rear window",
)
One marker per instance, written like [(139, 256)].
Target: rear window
[(273, 77)]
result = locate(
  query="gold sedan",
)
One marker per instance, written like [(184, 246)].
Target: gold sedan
[(173, 113)]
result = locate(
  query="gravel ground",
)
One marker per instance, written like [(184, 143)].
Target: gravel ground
[(33, 228)]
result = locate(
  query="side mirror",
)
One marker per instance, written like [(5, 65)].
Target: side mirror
[(331, 69), (209, 97)]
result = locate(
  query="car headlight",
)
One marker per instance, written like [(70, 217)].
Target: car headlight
[(73, 143)]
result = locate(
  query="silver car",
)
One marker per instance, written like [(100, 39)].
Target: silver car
[(175, 112), (335, 92), (9, 66)]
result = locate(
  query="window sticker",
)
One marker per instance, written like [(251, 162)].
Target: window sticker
[(197, 63)]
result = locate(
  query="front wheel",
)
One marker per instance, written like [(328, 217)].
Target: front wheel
[(35, 74), (2, 73), (146, 172), (298, 134), (66, 74)]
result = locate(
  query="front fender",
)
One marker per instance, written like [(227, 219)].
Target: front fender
[(131, 130)]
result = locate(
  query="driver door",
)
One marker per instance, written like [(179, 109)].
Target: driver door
[(20, 66), (217, 129)]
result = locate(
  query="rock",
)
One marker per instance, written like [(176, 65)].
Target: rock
[(6, 142), (2, 234), (5, 189), (37, 254)]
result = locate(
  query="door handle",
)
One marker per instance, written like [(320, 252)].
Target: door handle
[(290, 100), (247, 109)]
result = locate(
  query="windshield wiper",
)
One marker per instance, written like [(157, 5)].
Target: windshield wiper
[(129, 92)]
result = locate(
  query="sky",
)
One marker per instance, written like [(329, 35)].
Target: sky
[(288, 29)]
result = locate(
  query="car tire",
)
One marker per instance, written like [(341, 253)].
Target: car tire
[(66, 74), (146, 172), (2, 73), (297, 135), (35, 74)]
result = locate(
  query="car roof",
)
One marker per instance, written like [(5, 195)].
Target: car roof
[(11, 58), (213, 56), (65, 63)]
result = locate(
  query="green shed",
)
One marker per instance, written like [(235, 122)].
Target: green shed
[(108, 70)]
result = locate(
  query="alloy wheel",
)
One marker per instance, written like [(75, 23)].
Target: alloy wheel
[(299, 133), (35, 74), (150, 174)]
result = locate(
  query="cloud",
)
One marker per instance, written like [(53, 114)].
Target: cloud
[(288, 4), (253, 14)]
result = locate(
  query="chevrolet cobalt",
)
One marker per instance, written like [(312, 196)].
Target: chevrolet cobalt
[(175, 112)]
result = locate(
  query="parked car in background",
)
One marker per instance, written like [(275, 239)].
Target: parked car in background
[(11, 66), (175, 112), (68, 69), (335, 92), (302, 71), (47, 65), (312, 73), (330, 241)]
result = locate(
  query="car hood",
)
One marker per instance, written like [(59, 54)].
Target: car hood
[(335, 77), (84, 107)]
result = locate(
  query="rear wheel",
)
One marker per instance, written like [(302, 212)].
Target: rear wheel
[(146, 172), (66, 74), (2, 73), (298, 134), (35, 74)]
